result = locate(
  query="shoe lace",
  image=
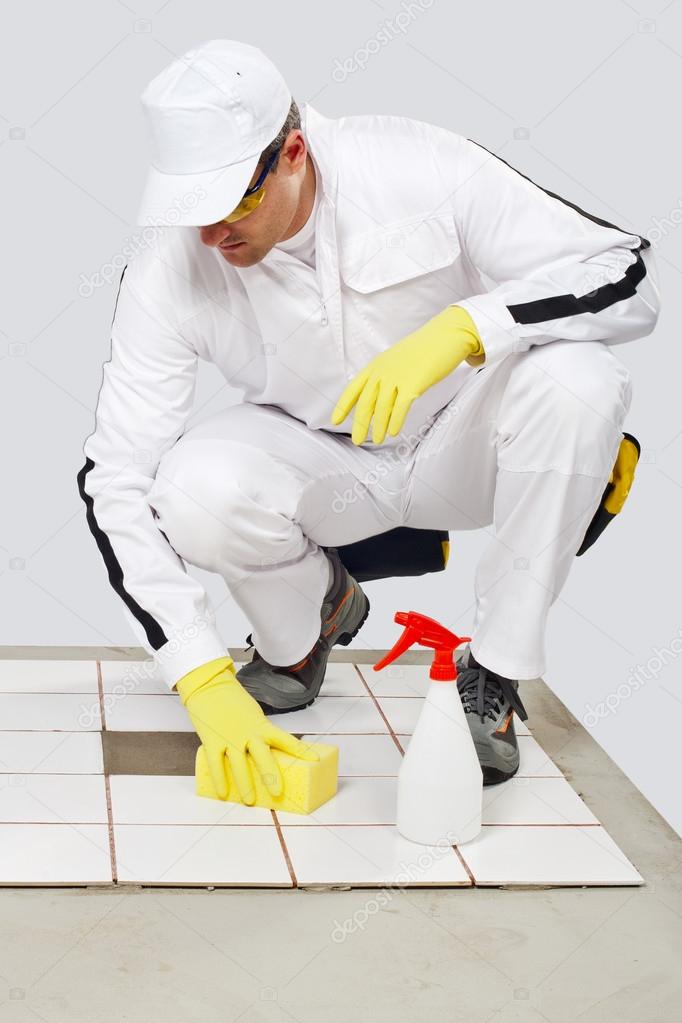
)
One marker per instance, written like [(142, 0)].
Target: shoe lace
[(483, 691)]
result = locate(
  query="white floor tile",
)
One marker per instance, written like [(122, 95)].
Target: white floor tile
[(44, 676), (51, 753), (342, 680), (403, 713), (52, 799), (547, 855), (534, 801), (132, 677), (358, 801), (49, 712), (146, 714), (373, 856), (397, 679), (533, 759), (150, 854), (364, 754), (334, 714), (158, 799), (54, 854)]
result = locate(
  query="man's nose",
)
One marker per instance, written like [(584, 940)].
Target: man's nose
[(215, 234)]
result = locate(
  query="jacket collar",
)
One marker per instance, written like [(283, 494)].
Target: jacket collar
[(321, 136)]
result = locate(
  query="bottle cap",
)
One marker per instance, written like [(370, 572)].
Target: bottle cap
[(428, 632)]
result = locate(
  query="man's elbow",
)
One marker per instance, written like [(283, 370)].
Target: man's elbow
[(648, 313), (648, 293)]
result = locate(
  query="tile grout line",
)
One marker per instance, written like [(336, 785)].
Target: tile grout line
[(283, 844), (465, 865), (380, 710), (107, 787)]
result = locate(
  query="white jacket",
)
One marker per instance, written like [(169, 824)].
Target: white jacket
[(413, 218)]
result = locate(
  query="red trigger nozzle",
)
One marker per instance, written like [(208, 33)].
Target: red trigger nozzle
[(426, 631)]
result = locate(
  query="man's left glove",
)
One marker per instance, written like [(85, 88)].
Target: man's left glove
[(387, 386)]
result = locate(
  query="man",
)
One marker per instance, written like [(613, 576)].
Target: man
[(361, 277)]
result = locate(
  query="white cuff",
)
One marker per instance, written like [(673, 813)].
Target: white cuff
[(178, 656), (496, 326)]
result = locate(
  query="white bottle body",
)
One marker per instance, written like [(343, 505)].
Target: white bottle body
[(440, 782)]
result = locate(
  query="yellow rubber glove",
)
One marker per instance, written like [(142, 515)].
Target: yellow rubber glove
[(232, 725), (388, 385)]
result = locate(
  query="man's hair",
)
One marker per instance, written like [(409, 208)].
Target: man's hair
[(293, 121)]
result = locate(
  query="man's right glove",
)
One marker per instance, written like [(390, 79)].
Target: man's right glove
[(232, 725), (384, 390)]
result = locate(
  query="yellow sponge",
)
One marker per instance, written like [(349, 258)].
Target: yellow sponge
[(307, 784)]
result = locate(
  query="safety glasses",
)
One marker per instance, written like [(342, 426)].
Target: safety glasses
[(253, 196)]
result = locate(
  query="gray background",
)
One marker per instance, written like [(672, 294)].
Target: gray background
[(582, 98)]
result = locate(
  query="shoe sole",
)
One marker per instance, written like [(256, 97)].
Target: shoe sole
[(493, 776), (343, 639)]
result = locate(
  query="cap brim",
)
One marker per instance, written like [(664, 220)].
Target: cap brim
[(193, 200)]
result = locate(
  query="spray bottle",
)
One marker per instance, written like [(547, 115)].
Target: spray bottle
[(440, 782)]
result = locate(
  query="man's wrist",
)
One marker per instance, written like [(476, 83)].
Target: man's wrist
[(203, 676), (461, 319), (476, 346), (477, 356)]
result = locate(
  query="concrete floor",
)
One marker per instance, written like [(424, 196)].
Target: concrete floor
[(475, 955)]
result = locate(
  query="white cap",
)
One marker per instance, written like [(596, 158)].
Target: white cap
[(210, 115)]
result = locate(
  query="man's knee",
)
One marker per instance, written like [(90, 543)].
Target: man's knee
[(582, 374), (192, 507), (218, 500)]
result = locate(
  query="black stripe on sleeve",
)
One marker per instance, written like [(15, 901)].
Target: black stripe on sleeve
[(153, 630), (560, 306)]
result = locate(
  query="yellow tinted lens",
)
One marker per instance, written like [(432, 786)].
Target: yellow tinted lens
[(246, 206)]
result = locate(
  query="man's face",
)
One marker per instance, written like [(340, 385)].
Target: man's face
[(269, 223)]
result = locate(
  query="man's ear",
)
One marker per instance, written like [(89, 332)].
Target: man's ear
[(295, 139)]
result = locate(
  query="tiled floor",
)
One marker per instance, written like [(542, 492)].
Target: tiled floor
[(68, 815)]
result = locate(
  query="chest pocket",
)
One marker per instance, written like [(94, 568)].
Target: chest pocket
[(401, 252), (394, 280)]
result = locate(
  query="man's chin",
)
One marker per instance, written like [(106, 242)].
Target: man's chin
[(241, 255)]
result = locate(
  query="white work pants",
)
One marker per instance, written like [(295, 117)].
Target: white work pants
[(526, 446)]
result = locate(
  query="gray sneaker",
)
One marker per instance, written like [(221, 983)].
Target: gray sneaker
[(489, 702), (342, 615)]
